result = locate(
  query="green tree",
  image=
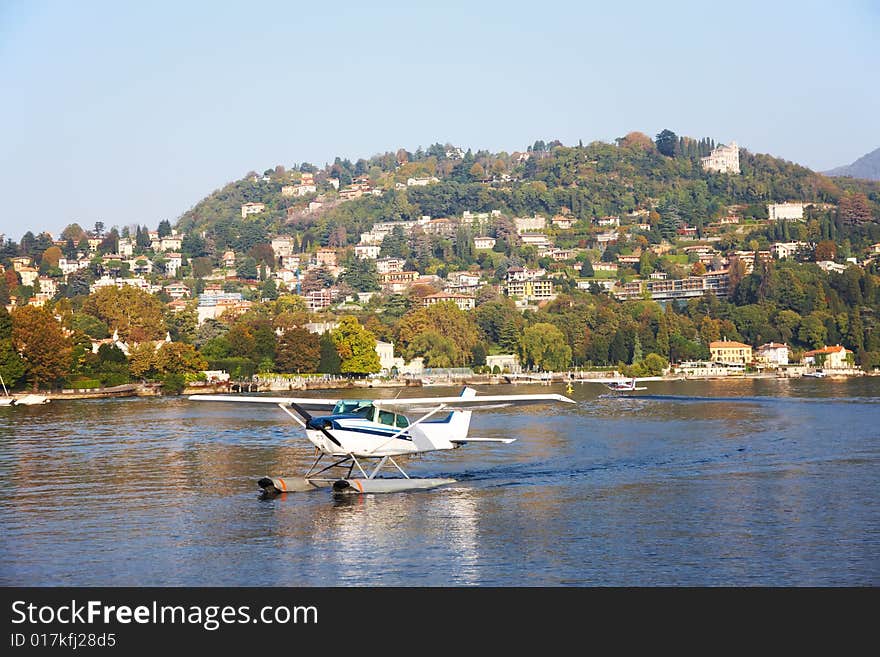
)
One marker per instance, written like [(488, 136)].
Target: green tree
[(654, 365), (637, 350), (663, 336), (210, 329), (543, 346), (478, 354), (446, 319), (269, 290), (217, 348), (666, 142), (179, 358), (253, 337), (247, 269), (356, 347), (12, 367), (112, 366), (437, 350), (499, 323), (329, 362), (142, 360), (137, 315), (618, 351), (646, 264), (787, 322), (5, 324), (360, 275), (183, 324), (813, 331), (90, 325)]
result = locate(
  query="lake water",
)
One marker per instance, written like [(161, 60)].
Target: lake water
[(755, 482)]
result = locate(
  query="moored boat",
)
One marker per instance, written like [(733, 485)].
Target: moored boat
[(31, 400)]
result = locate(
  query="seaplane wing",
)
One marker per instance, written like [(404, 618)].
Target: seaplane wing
[(308, 403), (476, 403)]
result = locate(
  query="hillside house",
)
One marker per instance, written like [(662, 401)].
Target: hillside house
[(835, 357), (730, 352), (772, 353), (251, 208), (464, 302)]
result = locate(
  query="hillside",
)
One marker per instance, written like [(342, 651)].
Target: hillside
[(866, 167), (584, 181), (628, 254)]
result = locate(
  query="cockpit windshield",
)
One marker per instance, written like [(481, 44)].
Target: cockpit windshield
[(360, 407)]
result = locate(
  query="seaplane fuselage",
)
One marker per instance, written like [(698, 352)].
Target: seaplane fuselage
[(363, 430)]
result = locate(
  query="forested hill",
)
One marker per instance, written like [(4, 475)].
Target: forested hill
[(590, 181)]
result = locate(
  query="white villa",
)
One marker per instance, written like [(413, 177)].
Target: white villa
[(786, 211), (724, 159)]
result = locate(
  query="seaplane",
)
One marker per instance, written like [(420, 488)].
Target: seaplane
[(364, 436), (623, 384), (628, 385)]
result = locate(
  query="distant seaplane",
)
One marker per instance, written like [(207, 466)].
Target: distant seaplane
[(359, 433), (623, 384)]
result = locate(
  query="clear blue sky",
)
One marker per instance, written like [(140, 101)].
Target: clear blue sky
[(130, 112)]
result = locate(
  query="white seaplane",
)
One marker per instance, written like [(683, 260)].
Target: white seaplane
[(356, 432), (623, 384)]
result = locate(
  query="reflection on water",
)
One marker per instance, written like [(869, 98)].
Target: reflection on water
[(740, 482)]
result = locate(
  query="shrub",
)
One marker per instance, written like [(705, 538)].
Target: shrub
[(173, 384)]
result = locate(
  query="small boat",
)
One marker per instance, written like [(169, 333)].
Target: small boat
[(31, 400), (818, 374)]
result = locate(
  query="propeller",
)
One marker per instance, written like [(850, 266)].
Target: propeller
[(308, 418)]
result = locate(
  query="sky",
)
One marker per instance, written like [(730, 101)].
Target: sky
[(130, 113)]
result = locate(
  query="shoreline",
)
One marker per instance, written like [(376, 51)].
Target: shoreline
[(303, 384)]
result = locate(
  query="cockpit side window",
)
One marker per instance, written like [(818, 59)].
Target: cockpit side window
[(386, 417), (400, 421)]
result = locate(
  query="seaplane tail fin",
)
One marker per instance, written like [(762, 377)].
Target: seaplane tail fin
[(461, 420), (444, 433)]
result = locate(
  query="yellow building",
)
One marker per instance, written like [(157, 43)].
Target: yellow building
[(724, 351), (829, 357)]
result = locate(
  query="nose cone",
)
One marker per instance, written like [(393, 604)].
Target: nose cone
[(318, 423)]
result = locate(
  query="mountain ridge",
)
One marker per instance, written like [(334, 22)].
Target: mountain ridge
[(866, 167)]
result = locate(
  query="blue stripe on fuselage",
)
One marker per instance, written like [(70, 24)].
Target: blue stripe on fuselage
[(375, 431)]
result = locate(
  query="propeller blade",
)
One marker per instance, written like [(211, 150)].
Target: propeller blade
[(308, 418)]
